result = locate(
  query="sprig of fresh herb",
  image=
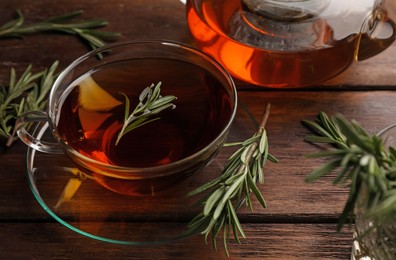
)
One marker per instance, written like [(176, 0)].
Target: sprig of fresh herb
[(362, 160), (150, 103), (234, 186), (86, 30), (27, 93)]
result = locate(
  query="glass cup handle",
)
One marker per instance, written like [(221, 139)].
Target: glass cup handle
[(22, 124)]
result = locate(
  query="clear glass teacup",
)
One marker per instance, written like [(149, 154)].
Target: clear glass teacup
[(375, 240), (87, 108)]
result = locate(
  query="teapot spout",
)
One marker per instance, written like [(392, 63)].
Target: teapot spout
[(378, 31)]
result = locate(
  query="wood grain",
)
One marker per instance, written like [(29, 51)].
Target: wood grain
[(300, 220), (285, 188), (264, 241), (291, 201), (138, 20)]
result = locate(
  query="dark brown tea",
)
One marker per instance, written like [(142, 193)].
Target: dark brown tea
[(93, 110)]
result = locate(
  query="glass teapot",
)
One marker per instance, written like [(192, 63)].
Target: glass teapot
[(291, 43)]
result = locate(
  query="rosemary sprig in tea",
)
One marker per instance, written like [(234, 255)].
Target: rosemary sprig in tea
[(86, 30), (361, 159), (235, 184), (27, 93), (150, 103)]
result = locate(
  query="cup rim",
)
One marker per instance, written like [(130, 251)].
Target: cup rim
[(386, 129), (161, 169)]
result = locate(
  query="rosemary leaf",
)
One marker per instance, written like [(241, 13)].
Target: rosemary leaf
[(236, 224), (64, 17), (324, 169), (256, 191), (13, 23), (86, 30), (212, 200)]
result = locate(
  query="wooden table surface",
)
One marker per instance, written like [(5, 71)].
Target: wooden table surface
[(300, 221)]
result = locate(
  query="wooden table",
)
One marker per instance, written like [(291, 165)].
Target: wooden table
[(300, 221)]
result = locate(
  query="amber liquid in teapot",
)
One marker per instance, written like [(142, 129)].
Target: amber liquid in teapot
[(290, 43)]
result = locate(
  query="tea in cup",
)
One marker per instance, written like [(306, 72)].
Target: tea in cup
[(91, 98)]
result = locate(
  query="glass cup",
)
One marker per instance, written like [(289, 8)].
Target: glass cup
[(375, 242), (205, 108), (291, 43)]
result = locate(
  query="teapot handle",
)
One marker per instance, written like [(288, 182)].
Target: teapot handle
[(23, 134), (375, 34)]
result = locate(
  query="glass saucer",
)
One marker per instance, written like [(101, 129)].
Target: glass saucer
[(101, 214)]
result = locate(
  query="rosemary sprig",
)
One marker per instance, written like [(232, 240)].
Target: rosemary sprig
[(86, 30), (234, 186), (361, 160), (150, 103), (25, 94)]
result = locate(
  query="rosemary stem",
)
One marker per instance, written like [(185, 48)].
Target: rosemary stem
[(11, 139), (264, 119), (253, 146)]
